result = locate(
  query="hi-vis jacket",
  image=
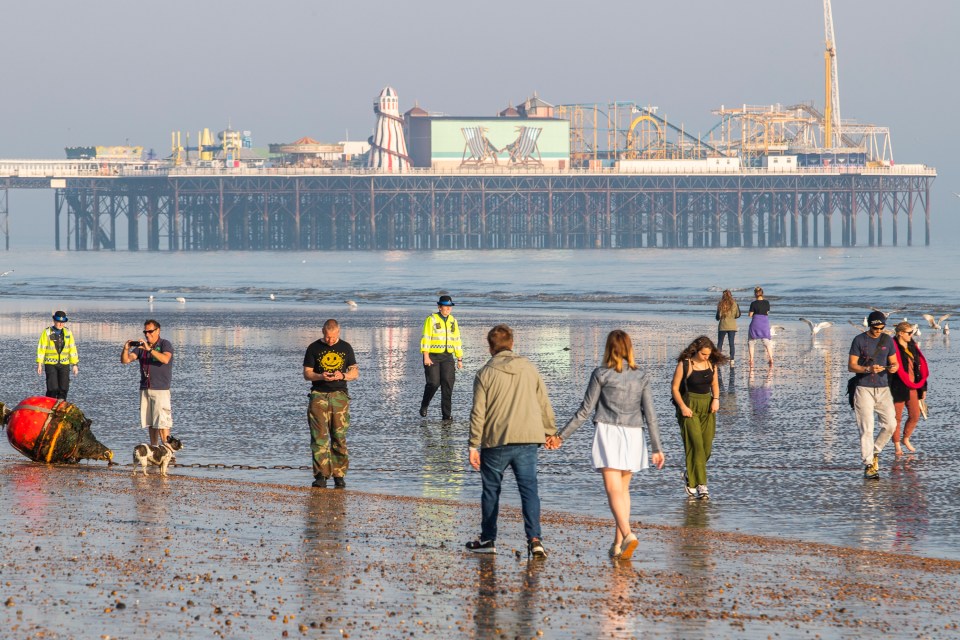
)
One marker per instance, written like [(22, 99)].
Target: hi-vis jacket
[(47, 349), (441, 335)]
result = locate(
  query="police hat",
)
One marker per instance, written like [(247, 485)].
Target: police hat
[(60, 316), (445, 301)]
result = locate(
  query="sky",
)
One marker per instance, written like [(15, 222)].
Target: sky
[(120, 72)]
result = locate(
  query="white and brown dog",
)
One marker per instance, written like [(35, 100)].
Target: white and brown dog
[(161, 456)]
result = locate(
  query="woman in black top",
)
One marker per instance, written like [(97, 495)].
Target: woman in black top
[(696, 394)]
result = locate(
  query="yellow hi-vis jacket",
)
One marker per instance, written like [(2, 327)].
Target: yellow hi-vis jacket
[(441, 335), (47, 350)]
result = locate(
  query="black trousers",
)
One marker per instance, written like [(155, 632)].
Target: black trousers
[(440, 375), (58, 380)]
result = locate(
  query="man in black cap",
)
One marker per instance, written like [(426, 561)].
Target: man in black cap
[(441, 347), (56, 353), (872, 357)]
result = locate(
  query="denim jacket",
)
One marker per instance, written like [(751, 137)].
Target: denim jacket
[(622, 399)]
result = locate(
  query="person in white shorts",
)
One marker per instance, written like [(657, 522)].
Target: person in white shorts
[(155, 355)]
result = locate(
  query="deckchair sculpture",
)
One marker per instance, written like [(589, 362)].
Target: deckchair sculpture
[(481, 150), (524, 149)]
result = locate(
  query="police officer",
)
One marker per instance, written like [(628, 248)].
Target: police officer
[(56, 353), (441, 347)]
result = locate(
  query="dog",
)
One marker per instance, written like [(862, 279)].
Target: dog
[(161, 456)]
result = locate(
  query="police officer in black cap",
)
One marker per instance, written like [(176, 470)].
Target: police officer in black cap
[(442, 354), (56, 353)]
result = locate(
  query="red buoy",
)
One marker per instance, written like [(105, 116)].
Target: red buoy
[(51, 430)]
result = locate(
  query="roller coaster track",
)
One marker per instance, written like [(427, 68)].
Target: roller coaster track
[(816, 113)]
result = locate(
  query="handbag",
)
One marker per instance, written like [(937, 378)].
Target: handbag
[(683, 383)]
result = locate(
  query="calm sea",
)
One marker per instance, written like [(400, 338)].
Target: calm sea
[(785, 461)]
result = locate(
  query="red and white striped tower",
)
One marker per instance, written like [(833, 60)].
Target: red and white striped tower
[(388, 148)]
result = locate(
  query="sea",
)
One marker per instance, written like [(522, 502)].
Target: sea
[(785, 461)]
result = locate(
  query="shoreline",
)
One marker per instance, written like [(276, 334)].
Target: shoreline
[(201, 557)]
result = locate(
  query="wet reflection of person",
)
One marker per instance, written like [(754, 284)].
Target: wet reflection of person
[(619, 616), (760, 392), (324, 549), (910, 511), (495, 615), (692, 561)]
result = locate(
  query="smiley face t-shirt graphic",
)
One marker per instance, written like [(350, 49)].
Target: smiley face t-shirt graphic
[(331, 361)]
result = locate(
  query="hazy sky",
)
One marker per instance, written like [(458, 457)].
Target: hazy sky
[(118, 72)]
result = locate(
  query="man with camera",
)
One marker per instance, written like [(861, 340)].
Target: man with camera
[(155, 355)]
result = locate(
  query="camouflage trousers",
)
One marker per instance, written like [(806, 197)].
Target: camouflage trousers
[(329, 419)]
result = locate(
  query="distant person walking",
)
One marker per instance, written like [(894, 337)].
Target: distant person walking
[(442, 352), (727, 313), (696, 395), (510, 419), (155, 356), (909, 385), (56, 353), (760, 325), (329, 364), (872, 357), (619, 397)]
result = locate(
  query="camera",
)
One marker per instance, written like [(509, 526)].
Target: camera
[(136, 343)]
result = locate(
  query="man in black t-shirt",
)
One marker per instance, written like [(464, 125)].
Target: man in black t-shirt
[(329, 363)]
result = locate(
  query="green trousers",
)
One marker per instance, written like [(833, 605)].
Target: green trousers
[(329, 419), (697, 432)]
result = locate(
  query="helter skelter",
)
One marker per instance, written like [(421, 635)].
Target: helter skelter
[(388, 147)]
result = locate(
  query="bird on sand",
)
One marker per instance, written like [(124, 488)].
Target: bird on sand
[(946, 329), (351, 304), (273, 297), (182, 300), (816, 328), (777, 329), (935, 322)]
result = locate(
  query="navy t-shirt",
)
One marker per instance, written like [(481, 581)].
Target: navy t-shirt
[(153, 373), (322, 357), (863, 346)]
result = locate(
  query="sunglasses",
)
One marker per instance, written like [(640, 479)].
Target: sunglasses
[(149, 331)]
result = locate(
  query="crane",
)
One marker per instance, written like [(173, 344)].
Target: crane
[(831, 115)]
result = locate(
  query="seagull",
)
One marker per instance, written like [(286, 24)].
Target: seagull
[(855, 325), (935, 322), (351, 304), (887, 314), (182, 300), (946, 329), (273, 297), (6, 273), (816, 328), (150, 298), (775, 329)]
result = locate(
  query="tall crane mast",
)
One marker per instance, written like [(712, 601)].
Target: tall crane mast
[(832, 102)]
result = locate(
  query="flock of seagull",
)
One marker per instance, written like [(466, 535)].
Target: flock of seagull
[(936, 323), (181, 300)]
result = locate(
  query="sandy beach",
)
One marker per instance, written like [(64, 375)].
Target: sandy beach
[(91, 551)]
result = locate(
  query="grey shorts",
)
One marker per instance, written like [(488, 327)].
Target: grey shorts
[(155, 409)]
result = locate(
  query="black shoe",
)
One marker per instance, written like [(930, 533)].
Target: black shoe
[(339, 483), (482, 546), (448, 420), (423, 412), (535, 548), (319, 482)]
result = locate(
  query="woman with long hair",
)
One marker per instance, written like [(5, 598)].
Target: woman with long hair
[(908, 385), (619, 397), (760, 325), (727, 313), (696, 395)]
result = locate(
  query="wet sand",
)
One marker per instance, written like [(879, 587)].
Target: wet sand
[(91, 552)]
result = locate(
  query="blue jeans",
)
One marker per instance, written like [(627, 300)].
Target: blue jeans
[(733, 347), (522, 458)]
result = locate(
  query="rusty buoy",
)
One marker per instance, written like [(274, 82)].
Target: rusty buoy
[(52, 430)]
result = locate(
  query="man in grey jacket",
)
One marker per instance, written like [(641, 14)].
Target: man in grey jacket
[(510, 419)]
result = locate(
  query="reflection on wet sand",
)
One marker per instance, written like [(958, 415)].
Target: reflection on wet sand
[(325, 546), (910, 504), (691, 559), (508, 597)]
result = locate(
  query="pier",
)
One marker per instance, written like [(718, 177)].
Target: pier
[(136, 207)]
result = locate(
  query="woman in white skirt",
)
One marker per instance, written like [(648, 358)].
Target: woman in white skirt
[(619, 396)]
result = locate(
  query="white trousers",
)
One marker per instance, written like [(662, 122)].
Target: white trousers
[(866, 402)]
